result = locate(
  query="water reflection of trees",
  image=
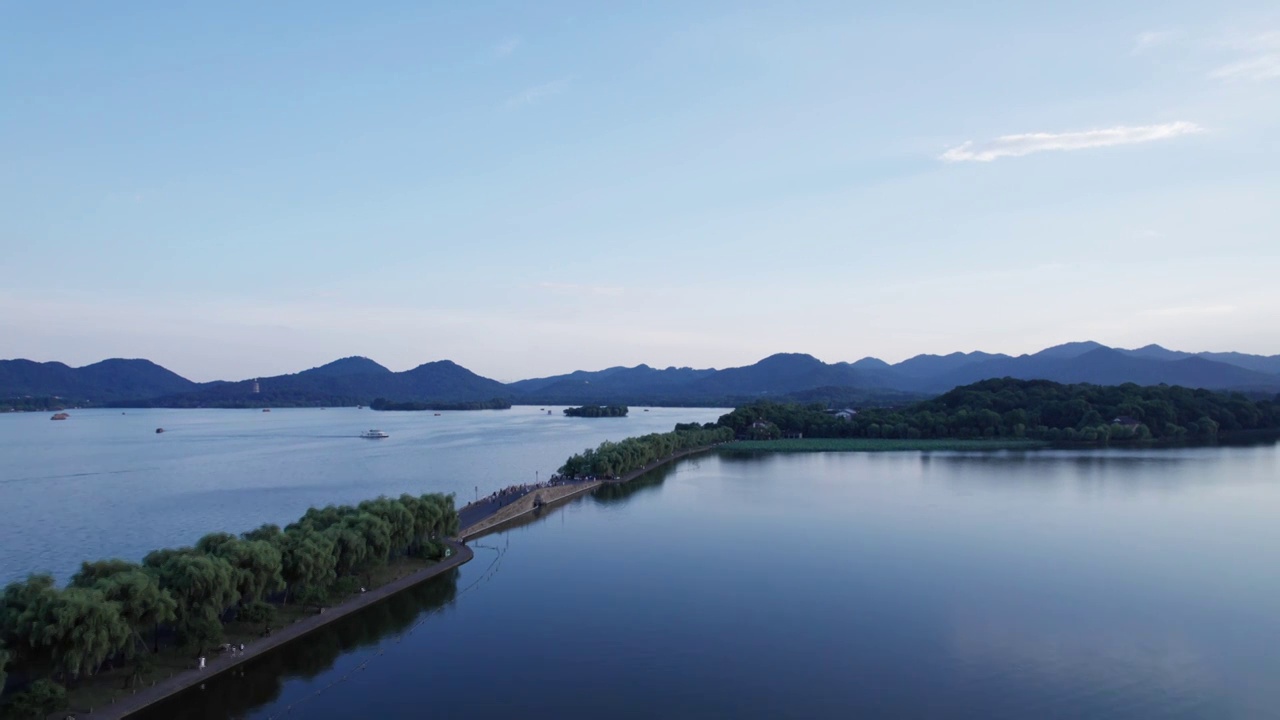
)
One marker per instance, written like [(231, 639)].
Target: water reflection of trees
[(260, 681), (747, 456), (618, 492)]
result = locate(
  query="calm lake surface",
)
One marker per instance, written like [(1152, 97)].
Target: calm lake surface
[(1047, 584), (104, 484)]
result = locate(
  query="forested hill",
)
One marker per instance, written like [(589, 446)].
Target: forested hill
[(1037, 409), (798, 376), (115, 379), (350, 381)]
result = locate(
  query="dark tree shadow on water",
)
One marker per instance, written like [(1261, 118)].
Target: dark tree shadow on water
[(259, 682), (741, 456), (607, 494), (611, 494)]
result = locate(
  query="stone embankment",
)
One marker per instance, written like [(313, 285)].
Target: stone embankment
[(527, 504)]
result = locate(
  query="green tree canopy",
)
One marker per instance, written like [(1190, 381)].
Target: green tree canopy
[(257, 564), (618, 458), (203, 586), (91, 572), (268, 532), (596, 411), (84, 630), (1032, 408), (26, 610), (143, 603), (43, 698), (108, 605), (308, 561), (399, 520)]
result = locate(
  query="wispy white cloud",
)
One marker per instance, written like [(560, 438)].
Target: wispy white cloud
[(1028, 143), (1266, 41), (1262, 67), (537, 93), (1151, 39), (506, 48), (1258, 58), (572, 289)]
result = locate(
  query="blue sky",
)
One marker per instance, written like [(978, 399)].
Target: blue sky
[(241, 189)]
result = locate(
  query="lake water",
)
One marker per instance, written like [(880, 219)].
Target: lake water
[(104, 484), (1125, 584)]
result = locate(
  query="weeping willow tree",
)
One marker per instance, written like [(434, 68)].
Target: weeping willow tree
[(85, 628), (620, 458), (103, 615), (66, 634), (308, 562), (93, 572), (257, 564), (203, 587), (144, 605), (25, 611)]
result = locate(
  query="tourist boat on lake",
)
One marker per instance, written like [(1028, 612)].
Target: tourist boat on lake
[(374, 435), (60, 416)]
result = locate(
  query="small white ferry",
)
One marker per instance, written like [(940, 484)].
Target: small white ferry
[(374, 434)]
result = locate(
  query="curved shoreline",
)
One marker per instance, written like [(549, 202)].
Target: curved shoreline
[(190, 678), (461, 555)]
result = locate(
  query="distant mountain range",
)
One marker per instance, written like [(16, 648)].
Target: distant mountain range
[(100, 382), (358, 380), (799, 376)]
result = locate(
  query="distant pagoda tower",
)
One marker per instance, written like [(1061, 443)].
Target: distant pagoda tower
[(256, 388)]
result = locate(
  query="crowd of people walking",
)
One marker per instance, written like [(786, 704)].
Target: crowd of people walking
[(499, 499), (510, 494)]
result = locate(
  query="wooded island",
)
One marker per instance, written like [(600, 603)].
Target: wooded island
[(596, 411)]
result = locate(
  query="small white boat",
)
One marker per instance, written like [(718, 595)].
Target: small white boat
[(374, 434)]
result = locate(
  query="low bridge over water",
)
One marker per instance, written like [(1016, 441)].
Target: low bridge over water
[(485, 514)]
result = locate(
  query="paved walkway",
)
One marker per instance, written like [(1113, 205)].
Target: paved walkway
[(553, 496), (476, 512), (214, 665)]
